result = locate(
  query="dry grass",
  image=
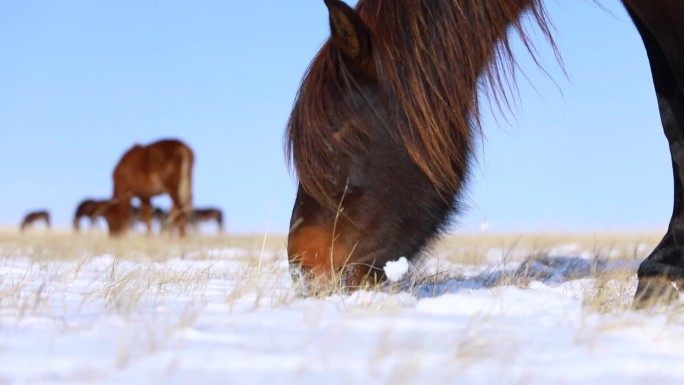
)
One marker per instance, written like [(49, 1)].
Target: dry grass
[(521, 259), (131, 281), (66, 245), (62, 262), (472, 248), (612, 292), (125, 289)]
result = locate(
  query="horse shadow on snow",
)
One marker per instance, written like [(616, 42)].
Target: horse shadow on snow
[(549, 270)]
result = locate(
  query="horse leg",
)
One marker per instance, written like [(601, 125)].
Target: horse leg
[(178, 215), (164, 222), (661, 272), (181, 216), (171, 218), (146, 213), (76, 224), (219, 221)]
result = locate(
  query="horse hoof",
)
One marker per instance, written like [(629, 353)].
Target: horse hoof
[(655, 291)]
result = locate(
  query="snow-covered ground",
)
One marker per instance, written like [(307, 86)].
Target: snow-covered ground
[(227, 316)]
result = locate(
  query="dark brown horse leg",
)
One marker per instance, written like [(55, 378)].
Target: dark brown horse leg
[(76, 224), (219, 222), (663, 271)]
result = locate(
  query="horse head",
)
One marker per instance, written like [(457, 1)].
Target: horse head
[(367, 192)]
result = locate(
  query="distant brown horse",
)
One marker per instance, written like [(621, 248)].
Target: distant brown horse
[(33, 216), (163, 167), (198, 216), (158, 214), (91, 209), (381, 134)]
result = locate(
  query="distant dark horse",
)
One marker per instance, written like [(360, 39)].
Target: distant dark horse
[(381, 134), (91, 209), (163, 167), (33, 217), (200, 215)]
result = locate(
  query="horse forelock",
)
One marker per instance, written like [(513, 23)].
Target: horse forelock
[(431, 58), (315, 141)]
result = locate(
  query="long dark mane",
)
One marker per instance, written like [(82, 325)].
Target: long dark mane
[(431, 59)]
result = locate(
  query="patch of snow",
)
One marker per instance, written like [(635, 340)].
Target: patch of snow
[(219, 320), (504, 256), (395, 270)]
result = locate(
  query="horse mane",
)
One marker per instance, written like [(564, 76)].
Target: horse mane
[(432, 59)]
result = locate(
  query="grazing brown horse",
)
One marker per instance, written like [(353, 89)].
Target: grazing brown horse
[(163, 167), (381, 133), (198, 216), (91, 209), (34, 216)]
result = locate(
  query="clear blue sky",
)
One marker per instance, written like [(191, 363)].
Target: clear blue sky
[(82, 81)]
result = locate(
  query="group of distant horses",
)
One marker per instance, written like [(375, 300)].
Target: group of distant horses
[(93, 210), (162, 167)]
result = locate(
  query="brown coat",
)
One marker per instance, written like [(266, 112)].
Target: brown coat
[(198, 216), (163, 167), (34, 216), (91, 209)]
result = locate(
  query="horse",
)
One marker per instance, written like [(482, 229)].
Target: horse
[(91, 209), (200, 215), (34, 216), (382, 129), (158, 214), (162, 167)]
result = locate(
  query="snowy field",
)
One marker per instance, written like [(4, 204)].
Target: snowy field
[(508, 310)]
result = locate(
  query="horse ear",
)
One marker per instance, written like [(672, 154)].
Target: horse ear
[(348, 31)]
